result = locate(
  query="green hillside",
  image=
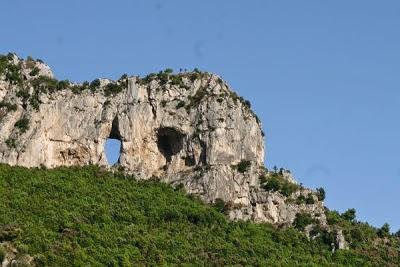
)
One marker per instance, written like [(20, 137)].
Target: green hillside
[(90, 217)]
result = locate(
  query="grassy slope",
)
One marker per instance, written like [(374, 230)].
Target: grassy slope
[(88, 217)]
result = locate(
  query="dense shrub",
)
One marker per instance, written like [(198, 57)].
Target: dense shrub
[(44, 84), (11, 143), (112, 89), (332, 217), (3, 64), (276, 182), (35, 71), (302, 220), (22, 124), (219, 204), (90, 217), (8, 106), (13, 74), (310, 199), (180, 104), (384, 231), (94, 85), (61, 85), (168, 70), (2, 253), (321, 194), (243, 166), (301, 199), (349, 215), (34, 101), (397, 234)]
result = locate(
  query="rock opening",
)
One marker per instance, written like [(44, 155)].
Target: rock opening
[(113, 145), (113, 151), (169, 142)]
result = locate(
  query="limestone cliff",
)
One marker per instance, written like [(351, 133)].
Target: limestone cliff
[(188, 129)]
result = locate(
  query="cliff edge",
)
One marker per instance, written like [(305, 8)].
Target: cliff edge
[(188, 129)]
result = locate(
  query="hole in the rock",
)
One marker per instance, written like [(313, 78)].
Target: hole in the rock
[(113, 145), (169, 142), (113, 150)]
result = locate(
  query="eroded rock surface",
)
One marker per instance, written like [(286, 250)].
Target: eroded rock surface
[(188, 128)]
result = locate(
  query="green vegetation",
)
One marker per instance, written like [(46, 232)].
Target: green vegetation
[(3, 64), (180, 104), (94, 85), (77, 89), (302, 220), (13, 74), (9, 107), (11, 143), (274, 181), (384, 231), (2, 254), (243, 166), (35, 71), (301, 199), (367, 240), (349, 215), (112, 89), (321, 194), (196, 99), (310, 199), (22, 124), (47, 84), (167, 76), (90, 217)]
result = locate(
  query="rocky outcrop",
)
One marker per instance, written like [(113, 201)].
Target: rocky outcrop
[(187, 129), (10, 255)]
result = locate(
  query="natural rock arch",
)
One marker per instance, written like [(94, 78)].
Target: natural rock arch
[(116, 136)]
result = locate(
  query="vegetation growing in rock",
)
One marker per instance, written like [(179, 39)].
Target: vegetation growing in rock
[(274, 181), (302, 220), (90, 217), (196, 99), (310, 199), (384, 231), (112, 89), (13, 75), (321, 194), (94, 85), (8, 106), (180, 104), (366, 239), (11, 143), (22, 124), (35, 71), (243, 166), (349, 215), (46, 84)]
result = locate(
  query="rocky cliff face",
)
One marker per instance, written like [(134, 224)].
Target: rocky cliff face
[(188, 129)]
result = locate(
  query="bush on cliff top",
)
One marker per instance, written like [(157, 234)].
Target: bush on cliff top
[(275, 181)]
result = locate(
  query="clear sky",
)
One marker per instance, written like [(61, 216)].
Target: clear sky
[(323, 76)]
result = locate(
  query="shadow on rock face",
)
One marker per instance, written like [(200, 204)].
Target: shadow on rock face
[(169, 142)]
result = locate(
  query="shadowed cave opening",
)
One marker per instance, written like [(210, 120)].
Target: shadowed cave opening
[(113, 144), (169, 142)]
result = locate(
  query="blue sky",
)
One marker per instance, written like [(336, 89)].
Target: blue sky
[(323, 76)]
